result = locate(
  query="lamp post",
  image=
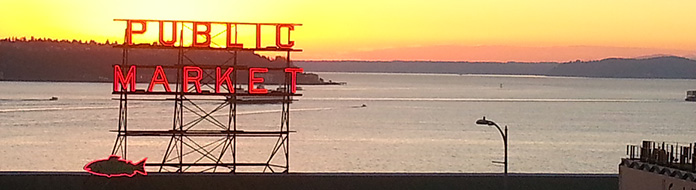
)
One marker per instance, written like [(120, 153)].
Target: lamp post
[(504, 134)]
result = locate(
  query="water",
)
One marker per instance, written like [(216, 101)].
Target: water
[(411, 123)]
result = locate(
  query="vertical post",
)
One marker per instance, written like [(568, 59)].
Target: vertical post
[(506, 150), (287, 100), (234, 106), (671, 155), (180, 99), (125, 103), (693, 157), (505, 138)]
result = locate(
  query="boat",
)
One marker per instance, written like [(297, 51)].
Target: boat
[(691, 96), (262, 99), (246, 98)]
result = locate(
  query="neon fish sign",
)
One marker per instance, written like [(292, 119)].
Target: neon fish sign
[(114, 166)]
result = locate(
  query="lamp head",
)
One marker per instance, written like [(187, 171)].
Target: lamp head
[(484, 122)]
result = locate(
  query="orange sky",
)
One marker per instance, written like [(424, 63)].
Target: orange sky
[(360, 29)]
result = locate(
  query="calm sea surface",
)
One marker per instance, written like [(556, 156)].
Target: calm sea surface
[(411, 123)]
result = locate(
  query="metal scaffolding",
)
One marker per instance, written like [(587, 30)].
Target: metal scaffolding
[(204, 132)]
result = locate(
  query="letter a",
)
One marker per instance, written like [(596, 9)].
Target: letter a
[(159, 78)]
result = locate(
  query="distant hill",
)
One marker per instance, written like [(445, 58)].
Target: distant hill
[(655, 67), (428, 67), (652, 67), (502, 53), (48, 60)]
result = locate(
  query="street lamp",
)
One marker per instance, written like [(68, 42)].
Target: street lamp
[(504, 134)]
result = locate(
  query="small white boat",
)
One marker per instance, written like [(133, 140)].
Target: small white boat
[(691, 95)]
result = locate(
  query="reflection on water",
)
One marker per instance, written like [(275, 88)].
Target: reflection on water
[(378, 122)]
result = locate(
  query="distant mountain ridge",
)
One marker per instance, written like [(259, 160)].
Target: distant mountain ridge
[(655, 67), (91, 62), (503, 53), (46, 60), (651, 67), (511, 68)]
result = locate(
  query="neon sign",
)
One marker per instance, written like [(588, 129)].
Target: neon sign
[(194, 74), (114, 166), (192, 78), (172, 34)]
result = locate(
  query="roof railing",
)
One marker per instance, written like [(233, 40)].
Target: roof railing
[(664, 154)]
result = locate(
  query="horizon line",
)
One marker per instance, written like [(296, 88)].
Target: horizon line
[(483, 61), (649, 56)]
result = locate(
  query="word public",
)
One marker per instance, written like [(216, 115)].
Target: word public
[(194, 74), (171, 32)]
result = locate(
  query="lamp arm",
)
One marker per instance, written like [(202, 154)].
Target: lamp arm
[(501, 132)]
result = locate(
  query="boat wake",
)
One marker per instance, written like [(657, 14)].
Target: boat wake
[(38, 109), (28, 99), (278, 111)]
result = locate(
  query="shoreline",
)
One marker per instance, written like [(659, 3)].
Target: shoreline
[(110, 82), (384, 73)]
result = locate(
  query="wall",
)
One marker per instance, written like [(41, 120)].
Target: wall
[(635, 179), (337, 181)]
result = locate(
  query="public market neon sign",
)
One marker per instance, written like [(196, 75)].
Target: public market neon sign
[(171, 33)]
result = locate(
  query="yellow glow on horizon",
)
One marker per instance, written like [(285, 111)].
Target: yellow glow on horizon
[(335, 27)]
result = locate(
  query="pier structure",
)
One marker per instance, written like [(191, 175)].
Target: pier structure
[(205, 132), (654, 165)]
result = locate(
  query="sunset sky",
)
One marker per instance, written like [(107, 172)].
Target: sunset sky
[(448, 30)]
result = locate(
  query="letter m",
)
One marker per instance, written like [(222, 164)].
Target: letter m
[(124, 81)]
